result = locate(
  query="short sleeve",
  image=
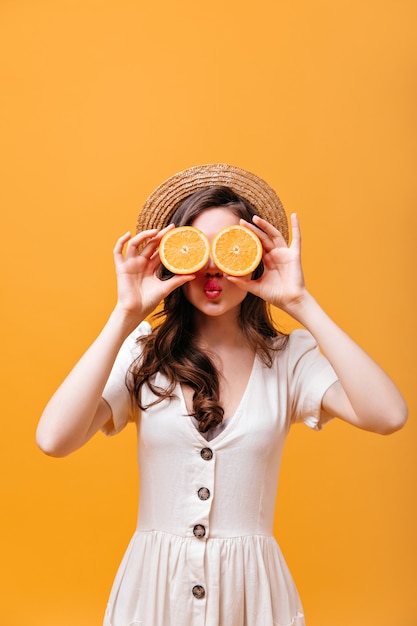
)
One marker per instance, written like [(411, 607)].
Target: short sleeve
[(116, 393), (310, 375)]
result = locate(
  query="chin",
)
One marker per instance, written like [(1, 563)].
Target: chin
[(214, 308)]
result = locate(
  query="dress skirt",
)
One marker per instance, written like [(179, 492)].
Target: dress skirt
[(247, 583)]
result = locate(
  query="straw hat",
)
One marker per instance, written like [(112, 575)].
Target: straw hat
[(163, 202)]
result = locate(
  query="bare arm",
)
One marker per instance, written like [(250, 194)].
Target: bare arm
[(365, 396), (77, 411)]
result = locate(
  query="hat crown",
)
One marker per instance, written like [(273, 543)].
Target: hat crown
[(164, 200)]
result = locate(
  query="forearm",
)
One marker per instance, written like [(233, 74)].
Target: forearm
[(376, 402), (365, 395), (74, 412)]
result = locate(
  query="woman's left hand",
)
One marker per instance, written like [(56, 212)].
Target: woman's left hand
[(282, 282), (364, 395)]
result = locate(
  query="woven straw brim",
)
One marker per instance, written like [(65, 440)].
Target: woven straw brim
[(162, 203)]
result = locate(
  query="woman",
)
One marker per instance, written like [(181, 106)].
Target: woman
[(213, 389)]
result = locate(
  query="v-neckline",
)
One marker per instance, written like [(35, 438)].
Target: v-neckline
[(232, 420)]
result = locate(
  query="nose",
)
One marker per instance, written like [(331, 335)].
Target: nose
[(211, 269)]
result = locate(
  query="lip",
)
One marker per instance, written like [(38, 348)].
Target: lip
[(212, 289)]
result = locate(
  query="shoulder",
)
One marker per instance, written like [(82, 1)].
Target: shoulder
[(299, 352), (142, 330), (301, 339), (298, 342), (131, 347)]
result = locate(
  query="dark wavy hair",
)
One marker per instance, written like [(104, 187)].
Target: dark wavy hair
[(171, 348)]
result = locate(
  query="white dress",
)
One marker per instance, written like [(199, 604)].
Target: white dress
[(203, 553)]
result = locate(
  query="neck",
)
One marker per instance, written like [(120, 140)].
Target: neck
[(222, 330)]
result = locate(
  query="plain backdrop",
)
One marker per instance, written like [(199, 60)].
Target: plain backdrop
[(101, 100)]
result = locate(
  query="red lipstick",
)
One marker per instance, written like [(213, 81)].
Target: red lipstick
[(212, 289)]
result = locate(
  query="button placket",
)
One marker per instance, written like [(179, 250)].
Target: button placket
[(202, 503), (199, 509)]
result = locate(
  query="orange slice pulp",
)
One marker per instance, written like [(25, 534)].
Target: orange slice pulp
[(236, 250), (184, 250)]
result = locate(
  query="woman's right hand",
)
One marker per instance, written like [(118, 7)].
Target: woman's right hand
[(77, 410), (138, 287)]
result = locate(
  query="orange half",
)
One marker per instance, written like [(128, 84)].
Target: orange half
[(236, 250), (184, 250)]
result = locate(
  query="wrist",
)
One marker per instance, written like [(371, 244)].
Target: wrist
[(124, 321), (302, 307)]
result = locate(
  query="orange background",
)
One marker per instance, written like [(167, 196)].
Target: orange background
[(101, 101)]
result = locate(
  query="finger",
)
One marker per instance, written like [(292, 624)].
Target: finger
[(243, 282), (120, 243), (140, 242), (176, 281), (295, 232), (269, 235), (266, 227), (148, 249)]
